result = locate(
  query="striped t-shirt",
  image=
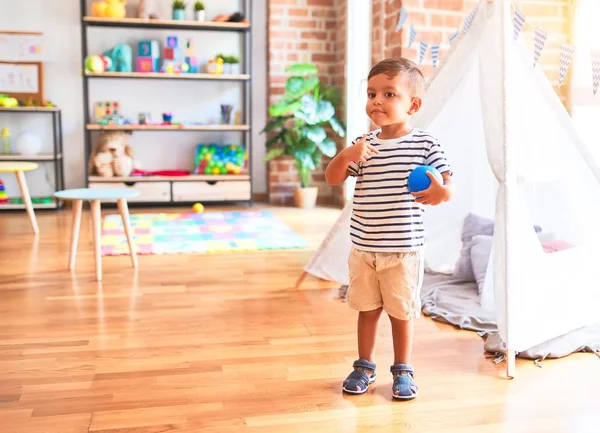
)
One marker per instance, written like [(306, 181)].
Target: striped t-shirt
[(385, 215)]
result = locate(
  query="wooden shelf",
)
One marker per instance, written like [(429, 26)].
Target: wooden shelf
[(40, 157), (10, 206), (189, 178), (30, 109), (95, 127), (165, 24), (165, 76)]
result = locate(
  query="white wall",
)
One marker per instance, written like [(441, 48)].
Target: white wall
[(194, 100)]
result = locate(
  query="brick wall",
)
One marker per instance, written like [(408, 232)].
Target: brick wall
[(436, 20), (303, 31)]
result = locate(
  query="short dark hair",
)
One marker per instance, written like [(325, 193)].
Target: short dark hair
[(407, 68)]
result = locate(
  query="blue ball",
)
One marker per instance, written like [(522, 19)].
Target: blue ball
[(418, 179)]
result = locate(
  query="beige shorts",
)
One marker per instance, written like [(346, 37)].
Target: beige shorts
[(389, 280)]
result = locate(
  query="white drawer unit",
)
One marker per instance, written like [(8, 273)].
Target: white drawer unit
[(223, 190), (149, 191)]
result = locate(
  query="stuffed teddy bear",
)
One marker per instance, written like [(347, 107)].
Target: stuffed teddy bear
[(112, 155)]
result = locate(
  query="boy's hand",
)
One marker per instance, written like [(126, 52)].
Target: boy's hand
[(360, 151), (436, 193)]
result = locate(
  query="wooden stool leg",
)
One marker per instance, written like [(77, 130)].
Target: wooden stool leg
[(96, 218), (124, 211), (77, 205), (27, 201)]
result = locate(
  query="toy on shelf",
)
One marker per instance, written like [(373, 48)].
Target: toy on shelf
[(109, 8), (236, 17), (106, 108), (3, 196), (96, 63), (215, 66), (148, 56), (173, 62), (190, 59), (220, 159), (121, 58), (8, 101), (112, 155)]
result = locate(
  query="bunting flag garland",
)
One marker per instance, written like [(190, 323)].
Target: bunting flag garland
[(469, 19), (566, 55), (519, 21), (596, 69), (422, 50), (453, 36), (540, 40), (402, 18), (411, 36), (435, 50)]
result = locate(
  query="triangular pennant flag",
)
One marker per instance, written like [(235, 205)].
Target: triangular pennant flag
[(435, 50), (596, 69), (453, 36), (412, 35), (422, 50), (402, 18), (540, 40), (519, 21), (566, 55), (469, 19)]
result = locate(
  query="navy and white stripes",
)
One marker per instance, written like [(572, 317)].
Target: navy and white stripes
[(385, 216)]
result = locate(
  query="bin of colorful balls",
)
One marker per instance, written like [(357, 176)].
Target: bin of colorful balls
[(220, 159)]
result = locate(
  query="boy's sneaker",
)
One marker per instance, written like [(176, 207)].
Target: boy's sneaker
[(359, 380), (404, 387)]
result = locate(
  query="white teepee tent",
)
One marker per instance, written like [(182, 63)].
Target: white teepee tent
[(518, 160)]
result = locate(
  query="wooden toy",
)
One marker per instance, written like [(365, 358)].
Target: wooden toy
[(146, 64), (148, 49), (106, 108), (3, 196)]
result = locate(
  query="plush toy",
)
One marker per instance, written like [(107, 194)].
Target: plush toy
[(112, 155)]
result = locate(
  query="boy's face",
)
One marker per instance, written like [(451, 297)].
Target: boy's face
[(390, 100)]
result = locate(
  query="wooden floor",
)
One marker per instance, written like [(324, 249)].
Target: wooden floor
[(224, 343)]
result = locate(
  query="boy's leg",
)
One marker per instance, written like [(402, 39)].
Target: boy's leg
[(368, 323), (400, 278), (402, 333), (364, 296)]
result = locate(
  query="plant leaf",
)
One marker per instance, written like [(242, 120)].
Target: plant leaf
[(274, 153), (287, 104), (294, 85), (276, 139), (302, 69), (316, 157), (275, 123), (328, 147), (332, 95), (314, 112), (337, 126), (316, 134)]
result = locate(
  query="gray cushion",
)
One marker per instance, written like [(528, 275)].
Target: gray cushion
[(473, 225), (481, 248)]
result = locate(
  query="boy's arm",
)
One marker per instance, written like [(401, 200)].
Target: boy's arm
[(346, 162), (338, 169)]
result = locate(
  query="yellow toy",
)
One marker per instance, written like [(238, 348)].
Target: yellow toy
[(198, 207), (109, 8), (215, 66)]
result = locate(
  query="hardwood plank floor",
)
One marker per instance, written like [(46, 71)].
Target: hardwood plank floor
[(224, 343)]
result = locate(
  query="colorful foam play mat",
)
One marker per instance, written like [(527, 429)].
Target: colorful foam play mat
[(201, 233)]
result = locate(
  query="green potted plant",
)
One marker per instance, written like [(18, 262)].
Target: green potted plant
[(199, 12), (179, 10), (234, 67), (302, 123)]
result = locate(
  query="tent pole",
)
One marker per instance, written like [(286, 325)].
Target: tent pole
[(510, 363), (300, 279)]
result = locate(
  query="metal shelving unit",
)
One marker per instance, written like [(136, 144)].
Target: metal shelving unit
[(184, 189), (56, 157)]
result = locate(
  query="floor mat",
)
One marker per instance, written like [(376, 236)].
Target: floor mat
[(199, 233)]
